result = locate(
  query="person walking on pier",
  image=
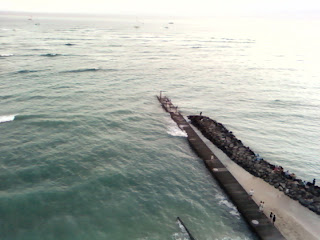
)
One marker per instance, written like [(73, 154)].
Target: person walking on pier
[(271, 215), (274, 218)]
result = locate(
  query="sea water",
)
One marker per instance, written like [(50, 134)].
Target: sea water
[(87, 152)]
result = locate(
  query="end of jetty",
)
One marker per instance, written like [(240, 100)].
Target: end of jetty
[(258, 222)]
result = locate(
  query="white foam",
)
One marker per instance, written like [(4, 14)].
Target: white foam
[(179, 236), (235, 213), (176, 131), (7, 118), (182, 228), (6, 55), (223, 201), (183, 235), (236, 238)]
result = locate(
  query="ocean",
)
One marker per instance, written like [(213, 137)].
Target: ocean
[(87, 152)]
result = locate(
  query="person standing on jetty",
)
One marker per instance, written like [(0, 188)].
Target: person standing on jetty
[(251, 193), (274, 218), (261, 206)]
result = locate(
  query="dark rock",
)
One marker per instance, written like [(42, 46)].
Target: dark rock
[(225, 140)]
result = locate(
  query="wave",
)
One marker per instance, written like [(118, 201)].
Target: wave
[(3, 97), (43, 120), (176, 131), (38, 49), (82, 70), (51, 55), (53, 123), (26, 71), (7, 118), (183, 235), (89, 70), (25, 117), (6, 55), (115, 45), (223, 201)]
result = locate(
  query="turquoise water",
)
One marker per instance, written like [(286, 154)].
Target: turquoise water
[(88, 153)]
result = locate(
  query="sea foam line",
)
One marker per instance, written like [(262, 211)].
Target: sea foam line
[(7, 118)]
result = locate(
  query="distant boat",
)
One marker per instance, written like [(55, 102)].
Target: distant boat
[(138, 24), (170, 23)]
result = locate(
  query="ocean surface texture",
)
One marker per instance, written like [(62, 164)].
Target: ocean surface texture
[(88, 153)]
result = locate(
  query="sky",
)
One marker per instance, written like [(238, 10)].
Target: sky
[(167, 7)]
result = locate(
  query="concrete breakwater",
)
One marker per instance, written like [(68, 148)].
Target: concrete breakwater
[(258, 222), (307, 194)]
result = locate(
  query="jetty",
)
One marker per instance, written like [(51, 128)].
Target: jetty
[(258, 222), (306, 193)]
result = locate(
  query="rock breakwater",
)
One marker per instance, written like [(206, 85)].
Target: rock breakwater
[(308, 194)]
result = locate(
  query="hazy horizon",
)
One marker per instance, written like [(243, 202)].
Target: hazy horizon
[(228, 8)]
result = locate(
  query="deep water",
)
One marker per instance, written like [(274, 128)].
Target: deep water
[(88, 153)]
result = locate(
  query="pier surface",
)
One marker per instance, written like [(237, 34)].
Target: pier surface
[(258, 222)]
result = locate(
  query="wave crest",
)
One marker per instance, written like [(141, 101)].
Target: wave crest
[(176, 131), (6, 55), (89, 70), (26, 71), (224, 201), (50, 55), (83, 70), (7, 118)]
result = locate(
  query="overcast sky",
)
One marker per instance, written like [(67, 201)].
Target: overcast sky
[(167, 7)]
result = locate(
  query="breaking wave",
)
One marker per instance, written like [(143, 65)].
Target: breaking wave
[(183, 235), (176, 131), (223, 201), (6, 55), (7, 118)]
